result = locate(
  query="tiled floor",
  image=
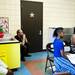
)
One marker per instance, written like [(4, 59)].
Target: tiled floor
[(33, 65), (22, 71)]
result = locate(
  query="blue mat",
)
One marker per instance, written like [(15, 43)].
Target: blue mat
[(22, 71), (37, 56)]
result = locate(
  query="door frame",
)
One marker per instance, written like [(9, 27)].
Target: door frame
[(41, 25)]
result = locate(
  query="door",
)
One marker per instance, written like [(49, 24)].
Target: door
[(31, 23)]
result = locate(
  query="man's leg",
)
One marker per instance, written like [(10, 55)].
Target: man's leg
[(22, 53), (27, 49)]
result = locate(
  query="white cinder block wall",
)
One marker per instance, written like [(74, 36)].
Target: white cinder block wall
[(55, 13), (11, 9)]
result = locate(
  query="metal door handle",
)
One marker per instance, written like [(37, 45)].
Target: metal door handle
[(40, 32)]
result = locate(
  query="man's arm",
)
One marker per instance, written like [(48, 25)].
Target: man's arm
[(24, 38)]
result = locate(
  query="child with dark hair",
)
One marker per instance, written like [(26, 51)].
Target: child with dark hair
[(61, 61)]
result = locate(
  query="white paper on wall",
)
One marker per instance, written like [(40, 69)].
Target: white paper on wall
[(51, 31)]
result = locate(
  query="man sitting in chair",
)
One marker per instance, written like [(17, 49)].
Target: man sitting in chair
[(4, 69), (21, 37)]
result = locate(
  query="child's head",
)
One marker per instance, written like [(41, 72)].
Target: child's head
[(58, 32)]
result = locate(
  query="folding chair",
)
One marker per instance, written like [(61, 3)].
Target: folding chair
[(49, 58)]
